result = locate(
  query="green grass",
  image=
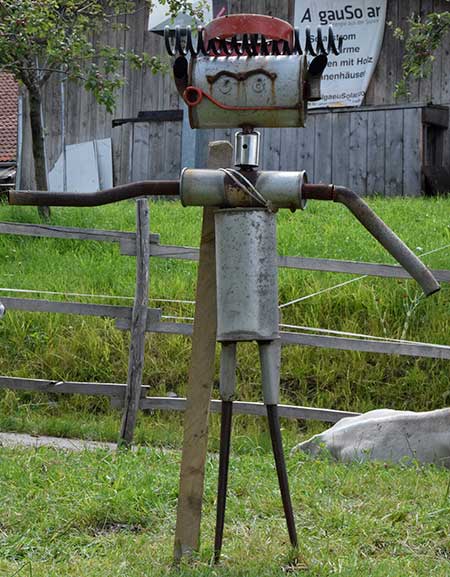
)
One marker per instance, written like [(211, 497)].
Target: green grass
[(73, 348), (90, 514)]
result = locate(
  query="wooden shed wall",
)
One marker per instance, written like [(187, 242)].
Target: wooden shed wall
[(334, 145)]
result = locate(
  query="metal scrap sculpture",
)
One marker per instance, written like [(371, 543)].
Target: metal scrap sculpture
[(247, 71)]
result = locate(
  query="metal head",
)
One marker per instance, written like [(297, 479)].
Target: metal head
[(248, 70)]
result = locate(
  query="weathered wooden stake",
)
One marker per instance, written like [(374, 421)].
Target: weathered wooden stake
[(138, 324), (201, 378)]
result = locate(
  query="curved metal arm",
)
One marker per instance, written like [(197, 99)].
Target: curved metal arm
[(377, 228), (123, 192), (350, 199)]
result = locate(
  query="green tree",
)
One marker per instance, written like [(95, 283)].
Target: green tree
[(40, 38), (422, 38)]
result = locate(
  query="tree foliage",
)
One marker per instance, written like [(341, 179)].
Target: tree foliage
[(421, 40), (39, 38)]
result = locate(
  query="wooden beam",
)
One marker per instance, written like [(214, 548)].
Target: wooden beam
[(256, 409), (368, 346), (201, 377), (436, 115), (70, 233), (174, 115), (369, 108), (116, 391), (305, 263), (424, 350), (74, 308), (351, 267), (113, 390), (138, 324)]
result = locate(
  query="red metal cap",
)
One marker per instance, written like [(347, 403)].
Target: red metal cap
[(238, 24)]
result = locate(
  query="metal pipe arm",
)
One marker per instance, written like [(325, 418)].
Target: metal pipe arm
[(378, 229), (107, 196)]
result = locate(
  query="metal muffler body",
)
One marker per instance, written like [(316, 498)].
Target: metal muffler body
[(243, 91), (247, 275)]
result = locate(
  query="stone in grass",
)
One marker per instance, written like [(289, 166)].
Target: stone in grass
[(387, 435)]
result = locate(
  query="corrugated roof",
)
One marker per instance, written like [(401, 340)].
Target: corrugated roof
[(9, 94)]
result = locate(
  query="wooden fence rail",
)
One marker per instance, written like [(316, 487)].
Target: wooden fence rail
[(117, 392), (123, 314), (294, 262), (127, 242), (124, 321), (409, 349)]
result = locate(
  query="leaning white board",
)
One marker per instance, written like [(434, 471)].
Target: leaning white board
[(81, 166), (361, 24), (103, 151), (85, 167)]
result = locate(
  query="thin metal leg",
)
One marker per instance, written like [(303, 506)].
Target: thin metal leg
[(225, 437), (277, 446), (270, 357), (227, 392)]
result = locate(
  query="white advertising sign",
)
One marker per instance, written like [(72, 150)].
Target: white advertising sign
[(361, 25)]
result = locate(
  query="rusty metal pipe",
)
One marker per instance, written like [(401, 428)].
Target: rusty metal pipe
[(107, 196), (224, 462), (377, 228), (280, 463)]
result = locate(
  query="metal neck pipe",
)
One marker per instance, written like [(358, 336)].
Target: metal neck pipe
[(107, 196), (378, 229)]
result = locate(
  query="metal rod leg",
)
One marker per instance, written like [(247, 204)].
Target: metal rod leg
[(227, 391), (277, 446), (225, 437)]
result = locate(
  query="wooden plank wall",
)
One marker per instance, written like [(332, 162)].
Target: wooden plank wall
[(370, 150), (157, 146), (367, 150)]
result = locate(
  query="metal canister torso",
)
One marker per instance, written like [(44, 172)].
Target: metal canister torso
[(247, 275), (249, 82)]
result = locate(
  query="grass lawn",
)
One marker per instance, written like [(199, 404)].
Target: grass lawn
[(97, 513), (90, 514), (64, 347)]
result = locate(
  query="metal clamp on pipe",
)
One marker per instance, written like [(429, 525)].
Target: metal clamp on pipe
[(378, 229), (230, 188)]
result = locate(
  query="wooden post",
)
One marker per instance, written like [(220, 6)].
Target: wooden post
[(138, 324), (201, 378)]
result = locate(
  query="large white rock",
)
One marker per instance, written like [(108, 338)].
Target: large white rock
[(387, 435)]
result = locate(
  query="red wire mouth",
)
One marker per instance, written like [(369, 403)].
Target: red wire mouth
[(194, 95)]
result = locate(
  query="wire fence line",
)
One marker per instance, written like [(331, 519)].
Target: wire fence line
[(89, 295), (178, 318), (340, 285), (316, 330), (157, 323)]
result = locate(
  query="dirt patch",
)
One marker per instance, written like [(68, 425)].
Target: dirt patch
[(22, 440)]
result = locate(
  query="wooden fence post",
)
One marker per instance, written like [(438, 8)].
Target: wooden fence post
[(201, 378), (138, 324)]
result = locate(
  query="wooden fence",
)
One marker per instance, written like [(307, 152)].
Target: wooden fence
[(140, 319)]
